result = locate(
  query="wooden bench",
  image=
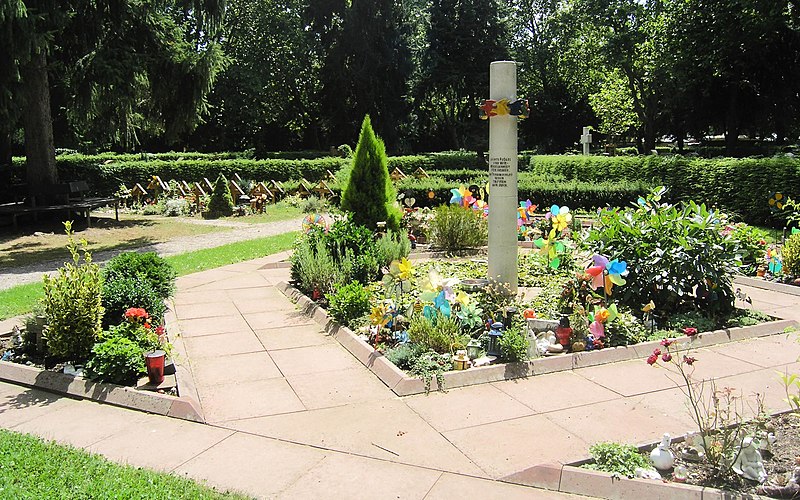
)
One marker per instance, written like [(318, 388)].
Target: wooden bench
[(73, 199)]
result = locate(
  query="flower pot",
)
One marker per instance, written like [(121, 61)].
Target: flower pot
[(154, 361)]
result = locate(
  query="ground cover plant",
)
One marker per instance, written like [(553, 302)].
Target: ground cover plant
[(33, 468)]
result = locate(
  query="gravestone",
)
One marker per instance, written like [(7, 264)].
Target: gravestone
[(586, 139)]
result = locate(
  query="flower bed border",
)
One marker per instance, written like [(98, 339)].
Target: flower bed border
[(403, 385), (767, 285), (185, 406)]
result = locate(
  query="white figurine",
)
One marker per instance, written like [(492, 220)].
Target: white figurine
[(662, 456), (748, 463)]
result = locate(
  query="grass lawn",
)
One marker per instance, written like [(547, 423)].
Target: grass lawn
[(33, 468), (21, 299)]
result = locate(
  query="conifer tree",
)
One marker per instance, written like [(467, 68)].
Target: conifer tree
[(369, 194), (221, 202)]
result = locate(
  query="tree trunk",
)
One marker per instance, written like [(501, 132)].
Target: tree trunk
[(732, 121), (39, 148)]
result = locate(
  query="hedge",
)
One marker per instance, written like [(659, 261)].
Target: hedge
[(738, 185)]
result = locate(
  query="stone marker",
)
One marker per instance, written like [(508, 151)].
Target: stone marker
[(586, 139), (503, 178)]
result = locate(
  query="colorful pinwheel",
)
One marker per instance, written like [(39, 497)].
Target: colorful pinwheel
[(481, 206), (552, 249), (775, 265), (599, 318), (462, 197), (525, 212), (607, 273), (398, 276), (560, 217)]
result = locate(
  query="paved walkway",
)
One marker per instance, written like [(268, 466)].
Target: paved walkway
[(293, 415)]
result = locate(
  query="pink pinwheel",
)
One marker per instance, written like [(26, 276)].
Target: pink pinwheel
[(606, 273), (462, 196)]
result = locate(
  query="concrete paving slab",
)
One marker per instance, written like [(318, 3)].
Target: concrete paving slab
[(291, 337), (239, 367), (206, 310), (256, 398), (352, 477), (248, 280), (629, 378), (503, 448), (254, 465), (77, 424), (277, 319), (466, 407), (386, 430), (188, 297), (27, 404), (764, 352), (268, 293), (337, 388), (556, 391), (262, 305), (204, 326), (450, 485), (314, 359), (766, 383), (224, 344), (159, 443)]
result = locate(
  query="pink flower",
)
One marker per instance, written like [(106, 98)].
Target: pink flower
[(689, 360), (667, 342), (160, 331), (690, 331), (666, 357), (651, 360)]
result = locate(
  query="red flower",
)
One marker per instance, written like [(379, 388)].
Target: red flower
[(690, 331), (656, 352), (160, 331), (135, 314), (667, 342), (651, 360), (689, 360), (666, 357)]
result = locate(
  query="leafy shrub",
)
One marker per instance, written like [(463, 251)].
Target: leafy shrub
[(453, 228), (221, 202), (392, 246), (514, 345), (117, 360), (440, 334), (123, 293), (677, 256), (147, 265), (404, 355), (369, 193), (153, 208), (790, 253), (693, 319), (617, 458), (72, 304), (348, 302), (313, 204), (751, 243), (176, 207), (430, 365), (626, 329)]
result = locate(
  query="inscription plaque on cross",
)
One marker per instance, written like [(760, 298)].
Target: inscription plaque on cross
[(586, 139)]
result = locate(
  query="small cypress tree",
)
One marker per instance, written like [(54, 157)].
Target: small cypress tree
[(369, 194), (221, 202)]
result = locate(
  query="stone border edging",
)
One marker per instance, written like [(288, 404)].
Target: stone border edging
[(184, 406), (403, 385), (767, 285)]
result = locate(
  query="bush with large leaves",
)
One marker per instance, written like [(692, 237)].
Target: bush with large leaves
[(678, 256)]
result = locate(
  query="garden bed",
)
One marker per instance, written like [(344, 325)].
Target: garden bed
[(774, 286), (575, 479), (403, 385), (184, 405)]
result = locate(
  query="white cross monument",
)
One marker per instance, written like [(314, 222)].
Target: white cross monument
[(586, 139)]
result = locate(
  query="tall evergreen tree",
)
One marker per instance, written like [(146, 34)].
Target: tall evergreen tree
[(369, 193)]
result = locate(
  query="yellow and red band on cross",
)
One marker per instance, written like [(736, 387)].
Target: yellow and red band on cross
[(490, 107)]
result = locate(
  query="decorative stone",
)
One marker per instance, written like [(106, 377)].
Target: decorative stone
[(483, 361), (643, 473), (662, 456), (789, 489)]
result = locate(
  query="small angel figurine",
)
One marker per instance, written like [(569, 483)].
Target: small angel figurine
[(748, 463)]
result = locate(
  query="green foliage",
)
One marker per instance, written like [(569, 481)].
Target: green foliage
[(626, 329), (440, 334), (125, 292), (221, 202), (790, 253), (430, 365), (691, 319), (392, 246), (613, 106), (369, 194), (751, 246), (348, 303), (617, 458), (677, 256), (145, 338), (453, 228), (35, 468), (313, 267), (72, 304), (404, 355), (148, 265), (117, 360), (514, 345)]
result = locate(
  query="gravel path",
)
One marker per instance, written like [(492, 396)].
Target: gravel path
[(241, 232)]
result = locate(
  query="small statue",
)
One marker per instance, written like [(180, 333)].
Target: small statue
[(748, 463), (546, 343), (765, 441), (643, 473), (662, 456), (693, 448)]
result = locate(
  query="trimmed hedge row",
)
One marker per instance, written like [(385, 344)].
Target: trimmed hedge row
[(737, 185)]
